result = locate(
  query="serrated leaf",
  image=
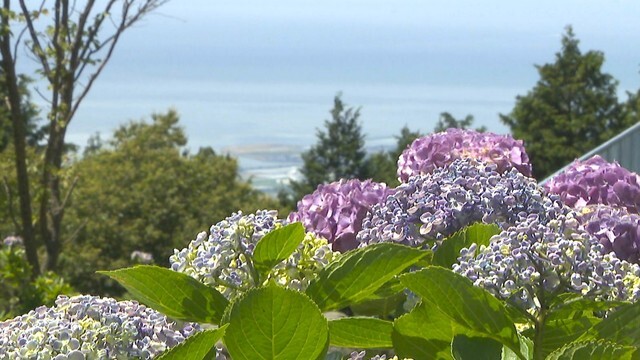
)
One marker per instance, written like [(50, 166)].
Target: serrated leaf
[(277, 246), (560, 332), (472, 311), (360, 273), (475, 348), (577, 306), (423, 334), (601, 350), (174, 294), (448, 251), (200, 346), (526, 349), (272, 322), (360, 333), (621, 326)]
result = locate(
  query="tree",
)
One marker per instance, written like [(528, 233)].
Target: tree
[(142, 191), (572, 109), (339, 152), (447, 121), (70, 52), (383, 165)]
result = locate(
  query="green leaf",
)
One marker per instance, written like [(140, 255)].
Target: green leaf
[(174, 294), (360, 273), (526, 348), (560, 332), (381, 307), (471, 310), (601, 350), (448, 252), (423, 334), (574, 307), (622, 326), (475, 348), (200, 346), (360, 333), (272, 322), (277, 246)]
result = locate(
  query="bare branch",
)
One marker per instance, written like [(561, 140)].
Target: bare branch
[(39, 52), (71, 239)]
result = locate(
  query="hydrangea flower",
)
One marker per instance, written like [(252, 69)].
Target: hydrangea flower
[(335, 211), (596, 181), (141, 257), (438, 150), (430, 207), (361, 355), (616, 229), (222, 258), (90, 327), (12, 241), (551, 258)]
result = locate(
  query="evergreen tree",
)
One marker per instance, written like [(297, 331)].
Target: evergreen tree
[(339, 152), (447, 121), (572, 109)]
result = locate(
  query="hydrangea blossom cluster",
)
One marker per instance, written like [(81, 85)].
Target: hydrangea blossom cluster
[(596, 181), (533, 258), (89, 327), (141, 257), (438, 150), (430, 207), (616, 229), (12, 241), (335, 211), (223, 258)]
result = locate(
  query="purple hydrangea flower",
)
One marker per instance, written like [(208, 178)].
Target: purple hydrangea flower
[(222, 259), (335, 211), (596, 181), (616, 229), (430, 207), (555, 257), (438, 150), (90, 327)]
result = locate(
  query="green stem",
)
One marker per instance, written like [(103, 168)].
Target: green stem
[(539, 336)]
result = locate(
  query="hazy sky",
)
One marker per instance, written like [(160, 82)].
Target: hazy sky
[(249, 71)]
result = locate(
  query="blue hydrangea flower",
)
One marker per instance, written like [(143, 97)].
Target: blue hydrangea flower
[(222, 258), (553, 257), (430, 207), (90, 327)]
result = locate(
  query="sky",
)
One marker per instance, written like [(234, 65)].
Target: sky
[(250, 72)]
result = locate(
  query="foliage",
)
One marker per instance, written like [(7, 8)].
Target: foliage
[(572, 109), (339, 152), (383, 165), (70, 45), (18, 292), (143, 192), (455, 319), (447, 121)]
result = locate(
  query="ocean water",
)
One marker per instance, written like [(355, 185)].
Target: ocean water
[(267, 125)]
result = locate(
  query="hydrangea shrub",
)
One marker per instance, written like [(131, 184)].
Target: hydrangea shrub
[(428, 153), (617, 229)]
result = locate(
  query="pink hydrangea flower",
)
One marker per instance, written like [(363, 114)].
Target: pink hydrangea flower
[(438, 150)]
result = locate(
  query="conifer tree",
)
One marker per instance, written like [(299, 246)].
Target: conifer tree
[(572, 109), (339, 152)]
